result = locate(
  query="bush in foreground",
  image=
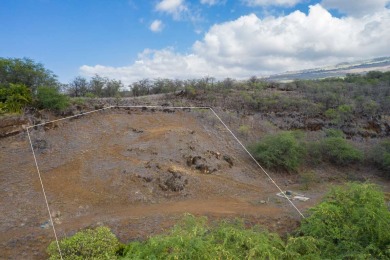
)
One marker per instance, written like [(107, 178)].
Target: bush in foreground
[(194, 239), (97, 243), (351, 223), (281, 151)]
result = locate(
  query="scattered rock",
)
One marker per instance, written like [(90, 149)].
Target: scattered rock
[(166, 110), (200, 164), (147, 178), (173, 182), (12, 125), (51, 125), (46, 225), (137, 130), (203, 168), (216, 154), (56, 214), (229, 160)]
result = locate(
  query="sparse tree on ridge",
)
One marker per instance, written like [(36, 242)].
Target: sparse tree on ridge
[(78, 87)]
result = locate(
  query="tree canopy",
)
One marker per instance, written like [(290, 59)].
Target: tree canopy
[(25, 72)]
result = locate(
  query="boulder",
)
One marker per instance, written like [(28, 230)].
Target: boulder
[(173, 182)]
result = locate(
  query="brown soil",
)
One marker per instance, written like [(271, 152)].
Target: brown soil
[(129, 170)]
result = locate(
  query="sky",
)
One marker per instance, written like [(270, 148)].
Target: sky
[(130, 40)]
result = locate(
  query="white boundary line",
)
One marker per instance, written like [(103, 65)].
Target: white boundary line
[(44, 193), (159, 107), (258, 164)]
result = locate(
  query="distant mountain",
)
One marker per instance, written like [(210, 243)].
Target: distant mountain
[(339, 70)]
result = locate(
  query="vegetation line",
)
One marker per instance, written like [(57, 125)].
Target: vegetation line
[(44, 193), (246, 150)]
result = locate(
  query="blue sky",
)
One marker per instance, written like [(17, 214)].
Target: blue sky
[(134, 39)]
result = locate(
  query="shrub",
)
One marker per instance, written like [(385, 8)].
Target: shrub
[(14, 98), (3, 109), (340, 115), (307, 179), (380, 155), (351, 223), (79, 101), (338, 151), (50, 98), (280, 151), (97, 243), (244, 130), (314, 153), (194, 239), (334, 133)]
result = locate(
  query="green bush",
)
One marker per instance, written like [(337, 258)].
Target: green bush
[(14, 98), (340, 115), (380, 155), (307, 179), (338, 151), (50, 98), (281, 151), (97, 243), (244, 129), (351, 223), (334, 133), (194, 239), (314, 153)]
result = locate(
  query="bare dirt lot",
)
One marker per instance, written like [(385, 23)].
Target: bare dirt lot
[(136, 171)]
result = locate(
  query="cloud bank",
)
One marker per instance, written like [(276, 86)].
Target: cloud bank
[(252, 46)]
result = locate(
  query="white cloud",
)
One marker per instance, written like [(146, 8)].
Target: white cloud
[(156, 26), (253, 46), (271, 2), (356, 7), (211, 2), (173, 7)]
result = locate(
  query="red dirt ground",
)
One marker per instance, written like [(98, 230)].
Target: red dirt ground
[(132, 171)]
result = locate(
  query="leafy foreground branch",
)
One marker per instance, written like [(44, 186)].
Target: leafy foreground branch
[(351, 223)]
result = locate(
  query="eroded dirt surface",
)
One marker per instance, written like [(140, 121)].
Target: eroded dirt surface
[(136, 171)]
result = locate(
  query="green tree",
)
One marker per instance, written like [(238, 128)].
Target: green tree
[(97, 84), (78, 87), (353, 222), (25, 72), (112, 88)]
